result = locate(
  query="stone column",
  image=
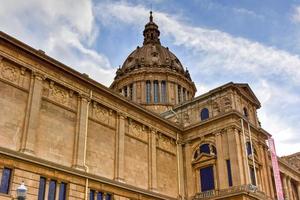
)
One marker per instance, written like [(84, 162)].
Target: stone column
[(221, 165), (152, 159), (28, 140), (298, 190), (264, 178), (289, 184), (235, 156), (47, 188), (134, 97), (180, 170), (176, 93), (81, 132), (190, 176), (284, 185), (120, 145), (57, 191)]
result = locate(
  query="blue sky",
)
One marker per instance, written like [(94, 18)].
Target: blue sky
[(253, 41)]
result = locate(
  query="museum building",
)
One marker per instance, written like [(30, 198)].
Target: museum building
[(65, 136)]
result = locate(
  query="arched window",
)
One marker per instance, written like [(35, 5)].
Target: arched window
[(204, 114), (148, 91), (205, 148), (245, 112), (155, 91)]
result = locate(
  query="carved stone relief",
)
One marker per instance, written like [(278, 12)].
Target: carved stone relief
[(138, 131), (10, 72), (166, 143), (227, 103), (59, 94)]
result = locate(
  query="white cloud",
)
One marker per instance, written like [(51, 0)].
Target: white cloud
[(296, 14), (65, 30)]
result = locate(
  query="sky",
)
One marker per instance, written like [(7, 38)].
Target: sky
[(243, 41)]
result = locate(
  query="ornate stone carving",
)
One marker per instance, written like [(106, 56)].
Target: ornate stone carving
[(216, 108), (9, 72), (138, 130), (56, 93), (227, 103), (166, 143), (101, 113)]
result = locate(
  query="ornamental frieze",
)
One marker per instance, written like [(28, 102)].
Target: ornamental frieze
[(59, 95), (102, 114), (138, 131), (166, 143), (12, 73)]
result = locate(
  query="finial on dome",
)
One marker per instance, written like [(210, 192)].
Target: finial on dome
[(151, 17)]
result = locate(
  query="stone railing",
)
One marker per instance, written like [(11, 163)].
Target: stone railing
[(249, 189)]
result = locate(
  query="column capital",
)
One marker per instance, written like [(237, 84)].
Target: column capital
[(38, 75), (122, 115), (84, 97)]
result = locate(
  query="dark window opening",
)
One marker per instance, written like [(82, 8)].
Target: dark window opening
[(252, 175), (148, 91), (62, 191), (42, 187), (229, 175), (156, 93), (249, 149), (207, 179), (179, 93), (5, 181), (204, 114), (52, 190), (204, 148), (125, 91), (92, 194), (100, 196), (245, 112), (184, 94)]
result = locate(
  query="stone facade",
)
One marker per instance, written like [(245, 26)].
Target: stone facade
[(63, 128)]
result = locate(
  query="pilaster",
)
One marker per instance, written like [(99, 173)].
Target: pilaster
[(28, 140), (221, 165), (285, 187), (81, 132), (120, 145), (298, 190), (153, 169), (235, 156), (180, 170)]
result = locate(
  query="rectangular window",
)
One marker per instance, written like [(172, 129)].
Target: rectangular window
[(207, 179), (62, 191), (179, 93), (148, 91), (108, 197), (100, 196), (184, 94), (52, 190), (156, 93), (163, 92), (92, 194), (42, 186), (125, 91), (5, 181), (252, 175), (229, 175), (131, 91)]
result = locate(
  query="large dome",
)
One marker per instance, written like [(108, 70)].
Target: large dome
[(152, 56), (152, 75)]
